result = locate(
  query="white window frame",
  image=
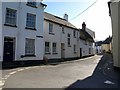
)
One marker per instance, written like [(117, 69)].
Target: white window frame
[(32, 3), (47, 48), (29, 46), (54, 47), (50, 27), (11, 16), (74, 33), (30, 20), (75, 48), (69, 39)]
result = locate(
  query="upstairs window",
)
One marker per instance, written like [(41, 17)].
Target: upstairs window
[(68, 39), (11, 16), (31, 3), (74, 34), (63, 31), (50, 28), (31, 20)]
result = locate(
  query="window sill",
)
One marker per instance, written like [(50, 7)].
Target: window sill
[(55, 53), (47, 53), (69, 45), (10, 25), (51, 33), (75, 52), (31, 28), (31, 5), (22, 56)]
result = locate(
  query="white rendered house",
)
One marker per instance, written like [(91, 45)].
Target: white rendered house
[(61, 38), (22, 31), (87, 46)]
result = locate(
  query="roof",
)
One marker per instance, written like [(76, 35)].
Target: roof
[(58, 20), (98, 43), (107, 40), (84, 35)]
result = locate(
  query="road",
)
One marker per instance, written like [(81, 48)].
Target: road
[(50, 76)]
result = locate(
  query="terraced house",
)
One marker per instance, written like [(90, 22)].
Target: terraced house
[(61, 38), (64, 40), (22, 31)]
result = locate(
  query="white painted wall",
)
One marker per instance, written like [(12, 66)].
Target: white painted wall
[(98, 49), (59, 37), (20, 33), (85, 48), (115, 14)]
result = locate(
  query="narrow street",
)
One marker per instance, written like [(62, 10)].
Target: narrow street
[(51, 76)]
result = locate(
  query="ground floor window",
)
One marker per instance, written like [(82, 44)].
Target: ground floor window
[(89, 50), (47, 47), (74, 47), (54, 47), (30, 46)]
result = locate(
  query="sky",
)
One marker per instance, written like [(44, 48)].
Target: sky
[(96, 17)]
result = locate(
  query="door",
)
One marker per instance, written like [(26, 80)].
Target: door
[(62, 50), (80, 52), (8, 49)]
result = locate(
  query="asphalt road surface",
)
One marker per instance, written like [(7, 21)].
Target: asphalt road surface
[(50, 76)]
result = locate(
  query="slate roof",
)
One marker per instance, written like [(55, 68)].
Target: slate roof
[(58, 20), (107, 40), (84, 35)]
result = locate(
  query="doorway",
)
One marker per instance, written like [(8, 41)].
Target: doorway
[(80, 52), (62, 50), (9, 49)]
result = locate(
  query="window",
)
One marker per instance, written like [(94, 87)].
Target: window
[(63, 31), (54, 47), (85, 42), (31, 3), (11, 16), (47, 47), (74, 47), (89, 50), (50, 28), (30, 22), (68, 39), (74, 34), (30, 47)]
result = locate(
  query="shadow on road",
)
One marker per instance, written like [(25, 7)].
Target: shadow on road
[(103, 72)]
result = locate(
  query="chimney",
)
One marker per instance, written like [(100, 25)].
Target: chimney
[(66, 17), (83, 26)]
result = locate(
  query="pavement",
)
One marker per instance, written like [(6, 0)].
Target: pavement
[(93, 72)]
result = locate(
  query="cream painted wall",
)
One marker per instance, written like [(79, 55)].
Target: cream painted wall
[(115, 14)]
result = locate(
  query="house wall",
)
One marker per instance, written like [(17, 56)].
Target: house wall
[(1, 46), (60, 37), (85, 48), (115, 18), (106, 47), (98, 49), (20, 33)]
